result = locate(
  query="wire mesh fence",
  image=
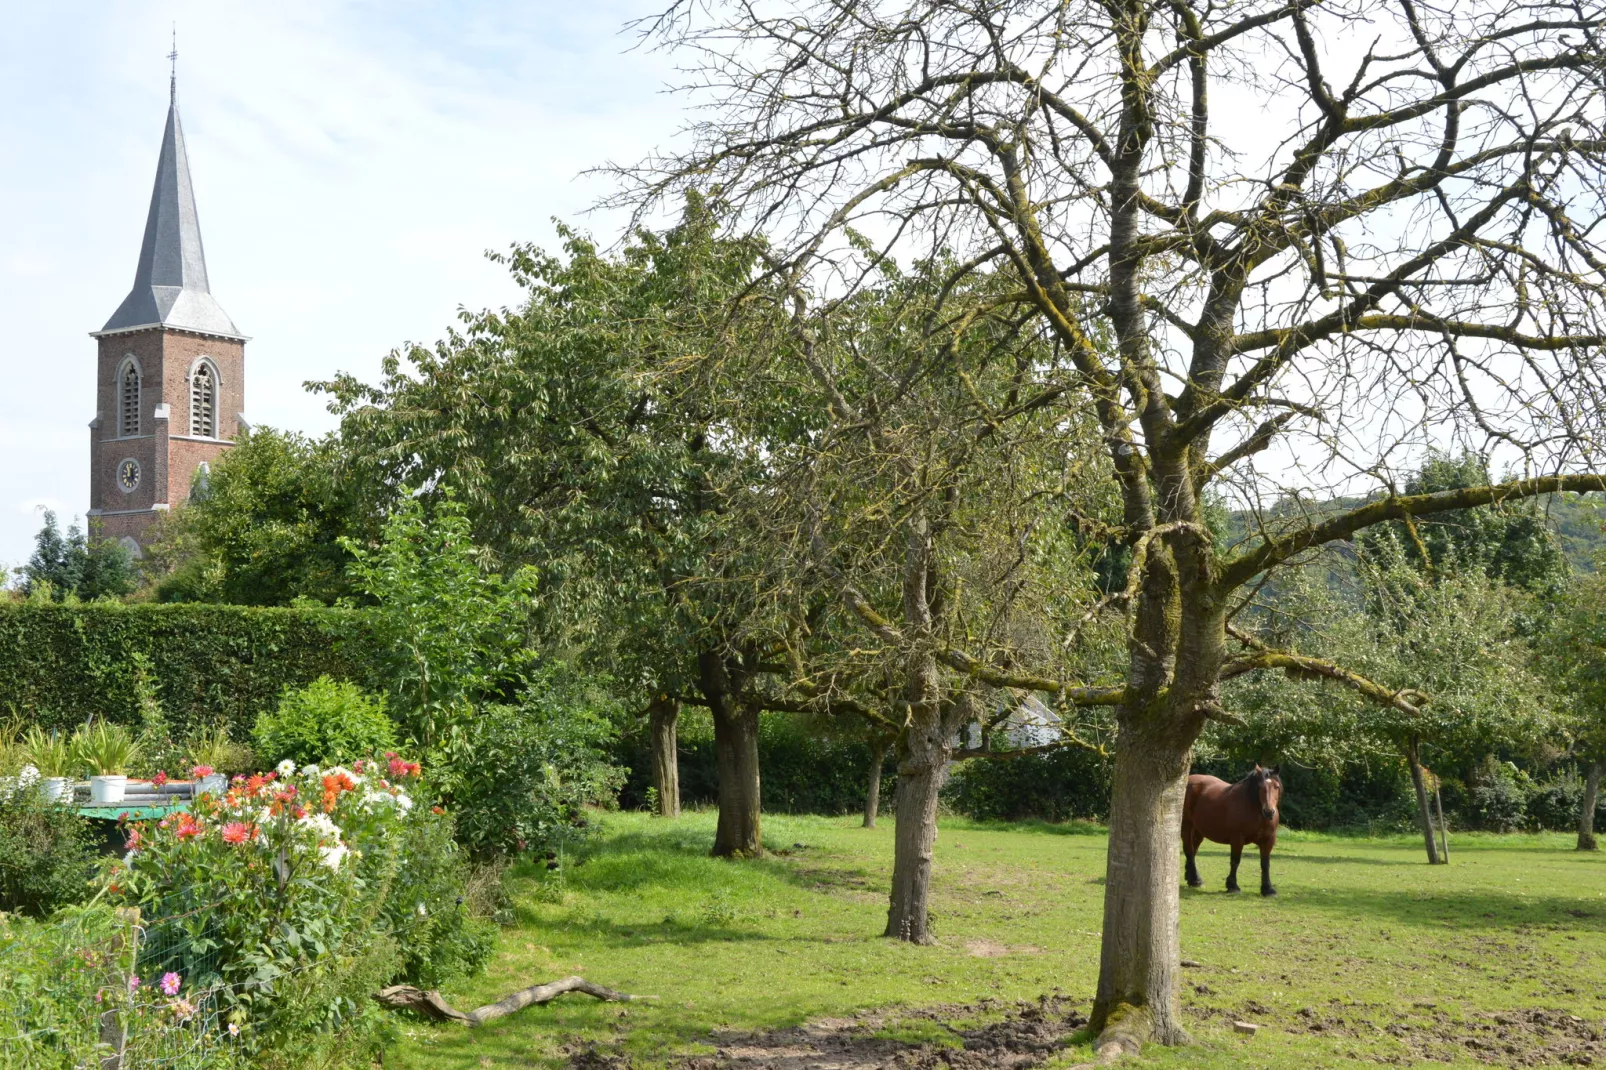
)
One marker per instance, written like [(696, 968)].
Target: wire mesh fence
[(102, 989)]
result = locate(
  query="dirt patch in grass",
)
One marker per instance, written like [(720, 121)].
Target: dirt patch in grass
[(1519, 1038), (999, 1035)]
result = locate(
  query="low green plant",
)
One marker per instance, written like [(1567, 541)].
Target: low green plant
[(53, 972), (12, 755), (48, 752), (104, 749), (519, 777), (46, 859), (326, 721), (157, 751), (213, 747)]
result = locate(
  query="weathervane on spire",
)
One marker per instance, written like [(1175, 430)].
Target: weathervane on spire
[(172, 57)]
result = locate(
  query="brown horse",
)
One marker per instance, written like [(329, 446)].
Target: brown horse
[(1233, 814)]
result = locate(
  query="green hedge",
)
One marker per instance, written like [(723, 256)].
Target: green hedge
[(59, 664)]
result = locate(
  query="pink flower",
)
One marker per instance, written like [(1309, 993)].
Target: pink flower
[(170, 983), (134, 841), (133, 982), (159, 779), (235, 832), (183, 1009), (201, 771)]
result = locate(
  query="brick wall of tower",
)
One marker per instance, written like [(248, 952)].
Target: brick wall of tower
[(167, 453)]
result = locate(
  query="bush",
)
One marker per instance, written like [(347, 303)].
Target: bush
[(61, 665), (519, 777), (45, 853), (288, 901), (325, 721), (1554, 806), (1498, 801), (1056, 786)]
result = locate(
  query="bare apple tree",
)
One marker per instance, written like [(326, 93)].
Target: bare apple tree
[(1283, 244)]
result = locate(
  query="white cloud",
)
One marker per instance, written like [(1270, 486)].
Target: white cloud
[(352, 163)]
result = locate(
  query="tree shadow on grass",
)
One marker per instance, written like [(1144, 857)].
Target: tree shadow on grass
[(678, 928), (1466, 910), (1347, 860), (1042, 828)]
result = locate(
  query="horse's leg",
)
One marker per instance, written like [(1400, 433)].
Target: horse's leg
[(1190, 848), (1232, 874), (1265, 868)]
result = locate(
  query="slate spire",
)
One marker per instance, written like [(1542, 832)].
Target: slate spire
[(170, 284)]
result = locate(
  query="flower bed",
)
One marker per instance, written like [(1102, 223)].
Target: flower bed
[(285, 901)]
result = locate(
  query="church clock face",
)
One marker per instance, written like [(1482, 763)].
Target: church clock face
[(128, 475)]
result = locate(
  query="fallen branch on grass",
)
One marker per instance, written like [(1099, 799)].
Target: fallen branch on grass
[(431, 1005)]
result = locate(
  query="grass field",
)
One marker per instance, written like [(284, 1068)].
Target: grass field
[(1367, 956)]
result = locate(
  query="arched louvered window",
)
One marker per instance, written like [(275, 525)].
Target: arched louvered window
[(203, 401), (128, 400)]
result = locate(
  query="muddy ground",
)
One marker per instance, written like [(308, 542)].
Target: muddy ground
[(1026, 1034)]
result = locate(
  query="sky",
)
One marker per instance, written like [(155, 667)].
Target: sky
[(352, 162)]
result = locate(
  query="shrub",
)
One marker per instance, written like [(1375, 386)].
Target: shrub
[(1498, 800), (45, 853), (1554, 806), (1055, 786), (519, 777), (62, 665), (326, 721), (286, 902)]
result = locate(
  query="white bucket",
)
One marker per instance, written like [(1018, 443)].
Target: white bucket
[(58, 788), (106, 790)]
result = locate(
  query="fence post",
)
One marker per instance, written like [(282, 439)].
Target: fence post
[(113, 1025)]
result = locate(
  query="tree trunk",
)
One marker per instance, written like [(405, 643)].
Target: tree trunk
[(872, 791), (1141, 948), (736, 747), (1424, 815), (923, 758), (663, 716), (1586, 809), (1444, 826), (922, 750)]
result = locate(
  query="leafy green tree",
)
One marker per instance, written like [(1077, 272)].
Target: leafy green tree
[(76, 566), (566, 449), (1576, 645), (1511, 542), (458, 634), (910, 524), (267, 528)]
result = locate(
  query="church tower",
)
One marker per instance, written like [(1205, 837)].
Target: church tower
[(171, 371)]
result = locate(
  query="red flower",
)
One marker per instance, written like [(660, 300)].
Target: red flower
[(159, 779), (236, 832), (201, 771), (134, 839), (188, 828)]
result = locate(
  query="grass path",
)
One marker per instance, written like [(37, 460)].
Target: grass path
[(1367, 955)]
